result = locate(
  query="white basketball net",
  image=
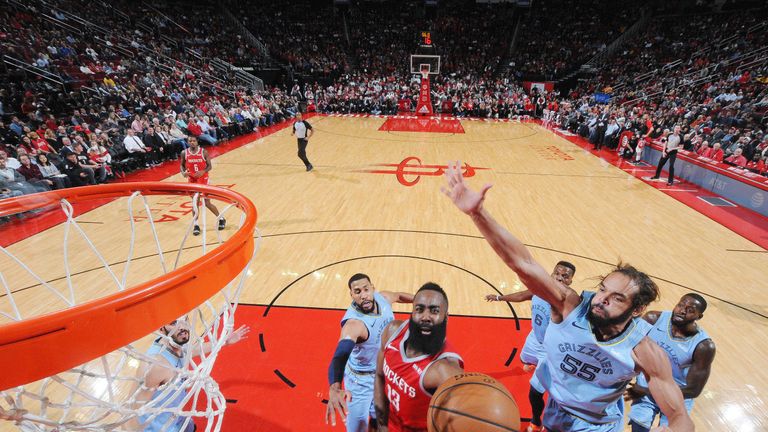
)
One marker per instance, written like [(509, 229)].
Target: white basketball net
[(103, 394)]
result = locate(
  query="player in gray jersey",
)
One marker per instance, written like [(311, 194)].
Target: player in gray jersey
[(170, 352), (596, 342), (690, 351), (533, 350), (354, 360)]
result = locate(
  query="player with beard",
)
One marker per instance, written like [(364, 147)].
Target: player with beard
[(414, 360), (355, 358), (690, 351), (596, 342), (170, 352), (533, 350)]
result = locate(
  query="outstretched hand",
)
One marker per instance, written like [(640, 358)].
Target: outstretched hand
[(238, 335), (464, 198), (337, 404)]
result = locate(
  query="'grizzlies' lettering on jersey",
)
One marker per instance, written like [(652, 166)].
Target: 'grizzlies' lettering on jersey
[(364, 355), (680, 351), (585, 376), (603, 360), (541, 313)]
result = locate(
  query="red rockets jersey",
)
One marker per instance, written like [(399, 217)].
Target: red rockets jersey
[(195, 162), (403, 382)]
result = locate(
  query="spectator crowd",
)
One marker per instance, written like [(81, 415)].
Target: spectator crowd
[(128, 99), (706, 73), (132, 112)]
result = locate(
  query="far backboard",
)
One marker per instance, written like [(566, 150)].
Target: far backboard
[(420, 62)]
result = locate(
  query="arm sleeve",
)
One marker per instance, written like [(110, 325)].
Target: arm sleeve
[(339, 360)]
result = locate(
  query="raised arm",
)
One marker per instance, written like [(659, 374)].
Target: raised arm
[(380, 401), (653, 361), (233, 338), (511, 250), (397, 297), (517, 297), (352, 332)]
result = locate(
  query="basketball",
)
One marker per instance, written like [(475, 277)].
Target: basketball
[(472, 402)]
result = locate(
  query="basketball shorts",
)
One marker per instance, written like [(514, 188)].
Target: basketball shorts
[(361, 406), (536, 384), (645, 410), (532, 351), (557, 419), (201, 180)]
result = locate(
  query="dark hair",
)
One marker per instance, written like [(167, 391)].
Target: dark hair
[(702, 302), (431, 286), (357, 277), (647, 290), (566, 264)]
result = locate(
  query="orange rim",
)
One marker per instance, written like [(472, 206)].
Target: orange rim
[(48, 344)]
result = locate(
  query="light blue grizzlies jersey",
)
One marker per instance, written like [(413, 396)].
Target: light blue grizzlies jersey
[(365, 354), (541, 313), (166, 398), (587, 377), (680, 351)]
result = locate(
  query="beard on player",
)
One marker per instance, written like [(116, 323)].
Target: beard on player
[(427, 338), (606, 321), (180, 335), (366, 306)]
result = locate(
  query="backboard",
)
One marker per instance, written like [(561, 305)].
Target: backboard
[(420, 62)]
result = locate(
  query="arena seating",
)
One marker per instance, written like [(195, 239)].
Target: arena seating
[(94, 69)]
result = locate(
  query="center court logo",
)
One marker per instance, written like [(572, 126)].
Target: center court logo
[(409, 171)]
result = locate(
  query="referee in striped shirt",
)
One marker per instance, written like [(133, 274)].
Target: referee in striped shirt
[(303, 130)]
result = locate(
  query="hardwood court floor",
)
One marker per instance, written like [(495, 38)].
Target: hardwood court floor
[(320, 227)]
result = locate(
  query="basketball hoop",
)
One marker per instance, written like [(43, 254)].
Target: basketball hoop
[(82, 359), (424, 71)]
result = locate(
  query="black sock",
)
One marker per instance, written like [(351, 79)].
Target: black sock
[(537, 405), (638, 428)]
